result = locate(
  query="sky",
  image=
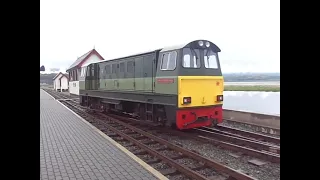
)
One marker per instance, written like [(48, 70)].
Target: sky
[(246, 31)]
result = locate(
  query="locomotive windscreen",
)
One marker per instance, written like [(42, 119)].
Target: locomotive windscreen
[(200, 62)]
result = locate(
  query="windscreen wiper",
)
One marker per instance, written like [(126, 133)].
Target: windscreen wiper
[(194, 52), (206, 54)]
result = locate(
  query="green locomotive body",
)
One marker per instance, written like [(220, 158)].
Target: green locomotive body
[(152, 85)]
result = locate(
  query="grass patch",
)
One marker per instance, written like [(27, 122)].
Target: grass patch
[(266, 88)]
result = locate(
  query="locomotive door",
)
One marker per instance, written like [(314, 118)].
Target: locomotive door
[(154, 70), (92, 78), (121, 76), (147, 73), (87, 79), (138, 74), (129, 76), (96, 76), (114, 77)]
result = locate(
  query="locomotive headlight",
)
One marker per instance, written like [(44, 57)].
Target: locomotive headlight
[(207, 44), (200, 43), (220, 98), (186, 100)]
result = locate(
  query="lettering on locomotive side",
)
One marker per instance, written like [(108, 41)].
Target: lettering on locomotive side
[(165, 80)]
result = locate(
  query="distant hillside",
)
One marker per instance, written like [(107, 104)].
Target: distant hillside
[(47, 78), (228, 77), (251, 77)]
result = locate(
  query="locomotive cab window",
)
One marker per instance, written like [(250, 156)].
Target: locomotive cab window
[(101, 71), (210, 59), (169, 61), (98, 71), (83, 72), (191, 58), (92, 70), (88, 72)]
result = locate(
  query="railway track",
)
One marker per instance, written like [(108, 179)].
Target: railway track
[(60, 96), (253, 140), (270, 131), (239, 141), (243, 144), (242, 140), (157, 150), (251, 148), (248, 134)]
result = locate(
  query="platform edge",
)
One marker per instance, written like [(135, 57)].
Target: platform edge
[(49, 94), (153, 171)]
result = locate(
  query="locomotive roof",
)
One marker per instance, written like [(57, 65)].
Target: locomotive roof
[(170, 48), (190, 44), (132, 55)]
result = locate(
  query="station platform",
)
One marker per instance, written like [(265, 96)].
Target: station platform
[(71, 148)]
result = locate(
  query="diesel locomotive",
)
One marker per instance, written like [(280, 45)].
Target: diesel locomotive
[(179, 86)]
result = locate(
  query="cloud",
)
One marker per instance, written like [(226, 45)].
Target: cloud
[(54, 69), (248, 32)]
